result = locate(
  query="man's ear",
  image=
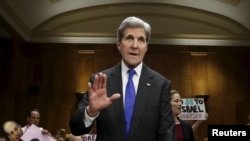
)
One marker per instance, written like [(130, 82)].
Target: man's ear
[(118, 43)]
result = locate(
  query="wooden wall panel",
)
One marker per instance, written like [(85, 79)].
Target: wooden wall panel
[(174, 66), (199, 73), (85, 68), (61, 70), (105, 59)]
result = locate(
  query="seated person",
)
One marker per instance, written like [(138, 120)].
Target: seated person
[(12, 130)]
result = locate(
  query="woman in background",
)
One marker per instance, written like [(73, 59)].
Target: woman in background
[(183, 130)]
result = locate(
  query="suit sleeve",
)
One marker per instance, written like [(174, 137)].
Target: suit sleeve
[(76, 123), (167, 123)]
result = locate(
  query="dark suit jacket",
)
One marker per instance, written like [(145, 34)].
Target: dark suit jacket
[(152, 116), (187, 131)]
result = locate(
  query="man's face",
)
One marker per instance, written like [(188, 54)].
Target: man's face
[(34, 118), (133, 46), (14, 131)]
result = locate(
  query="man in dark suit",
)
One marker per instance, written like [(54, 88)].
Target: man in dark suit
[(105, 100)]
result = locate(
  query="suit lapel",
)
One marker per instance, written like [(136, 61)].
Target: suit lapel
[(144, 89), (115, 86)]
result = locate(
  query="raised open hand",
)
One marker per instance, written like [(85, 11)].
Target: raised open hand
[(98, 99)]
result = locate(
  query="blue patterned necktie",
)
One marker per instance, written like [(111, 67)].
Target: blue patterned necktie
[(129, 100)]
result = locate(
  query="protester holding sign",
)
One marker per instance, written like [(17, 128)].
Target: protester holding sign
[(183, 130), (33, 117)]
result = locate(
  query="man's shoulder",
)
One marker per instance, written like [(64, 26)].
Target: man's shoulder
[(155, 74), (116, 68)]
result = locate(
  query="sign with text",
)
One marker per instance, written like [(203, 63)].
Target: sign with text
[(89, 137), (193, 109)]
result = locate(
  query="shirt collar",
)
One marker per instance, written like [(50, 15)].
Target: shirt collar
[(137, 69)]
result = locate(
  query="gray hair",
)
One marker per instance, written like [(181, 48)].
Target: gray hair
[(133, 22)]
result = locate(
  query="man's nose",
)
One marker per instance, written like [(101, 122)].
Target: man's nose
[(15, 133), (135, 43)]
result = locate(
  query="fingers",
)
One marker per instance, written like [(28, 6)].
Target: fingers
[(206, 115), (97, 91), (90, 87), (114, 97), (104, 84), (95, 83), (100, 81)]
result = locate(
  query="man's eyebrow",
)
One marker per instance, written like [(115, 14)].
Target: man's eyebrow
[(142, 37), (129, 35), (139, 37)]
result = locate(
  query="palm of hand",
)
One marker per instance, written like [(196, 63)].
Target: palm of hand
[(98, 98)]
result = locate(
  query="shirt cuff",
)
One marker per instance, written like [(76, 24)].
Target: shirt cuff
[(89, 120)]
